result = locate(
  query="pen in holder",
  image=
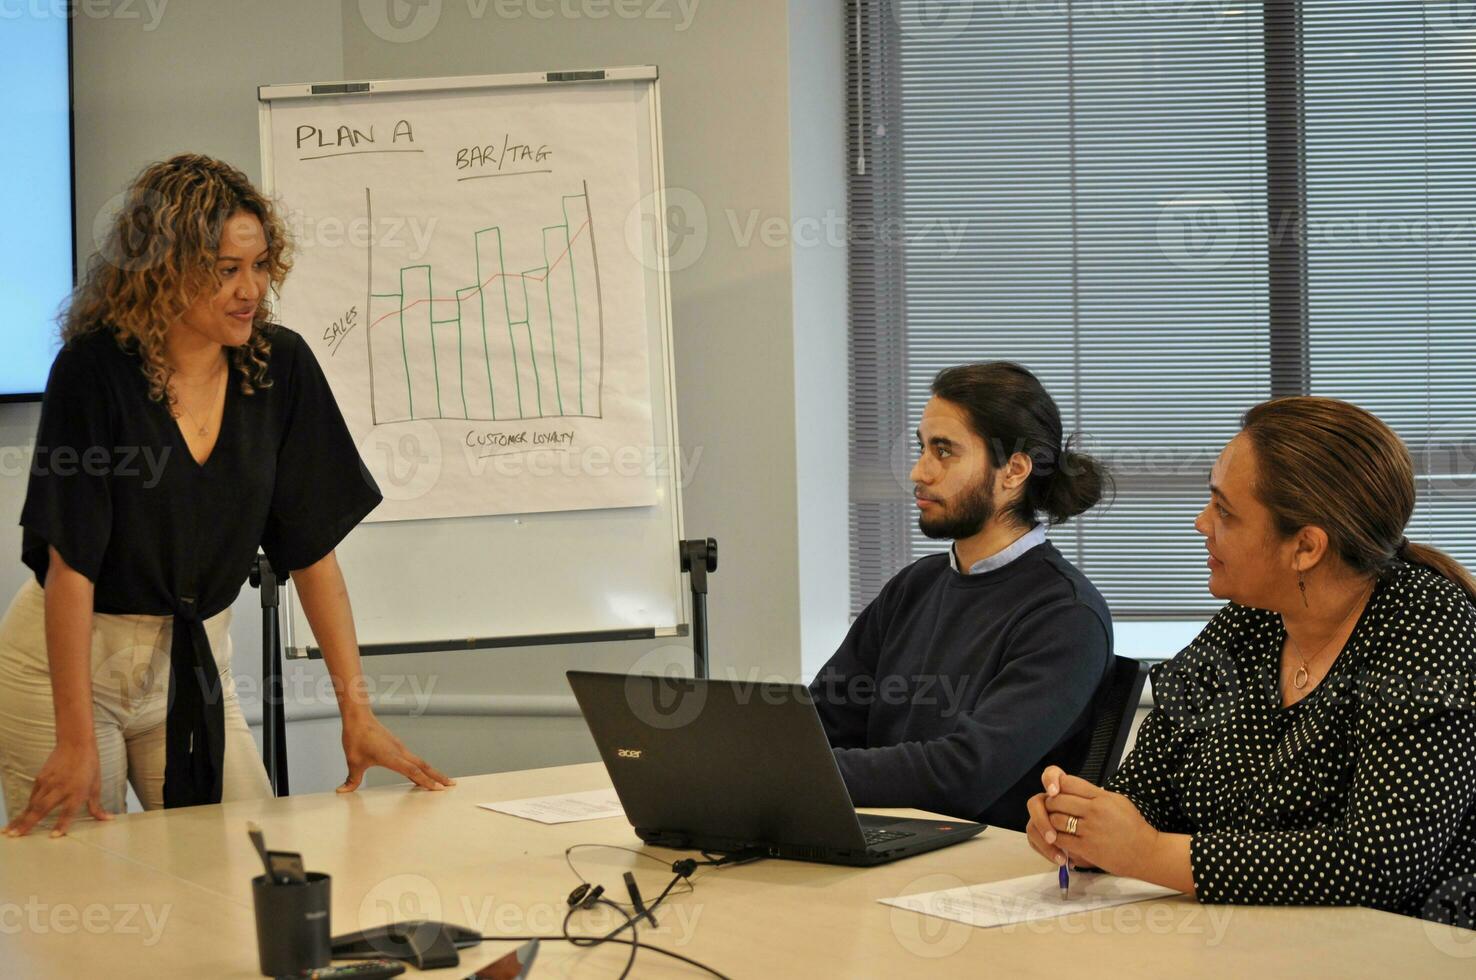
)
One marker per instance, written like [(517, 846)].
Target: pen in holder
[(293, 926)]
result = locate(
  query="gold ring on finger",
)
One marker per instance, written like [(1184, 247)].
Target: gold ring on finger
[(1071, 826)]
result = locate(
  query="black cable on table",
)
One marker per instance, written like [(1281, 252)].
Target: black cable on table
[(619, 941), (682, 871)]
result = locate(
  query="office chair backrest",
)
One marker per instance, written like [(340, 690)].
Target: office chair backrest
[(1112, 718)]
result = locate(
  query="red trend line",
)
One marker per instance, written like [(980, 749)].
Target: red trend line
[(515, 275)]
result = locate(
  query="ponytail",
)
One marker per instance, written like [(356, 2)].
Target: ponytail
[(1438, 561)]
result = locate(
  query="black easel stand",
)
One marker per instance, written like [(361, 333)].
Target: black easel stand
[(699, 556), (273, 716)]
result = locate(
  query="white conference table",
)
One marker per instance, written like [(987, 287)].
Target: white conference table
[(167, 894)]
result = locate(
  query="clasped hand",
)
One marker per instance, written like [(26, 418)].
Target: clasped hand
[(1109, 832)]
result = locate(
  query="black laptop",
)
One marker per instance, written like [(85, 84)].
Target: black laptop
[(734, 766)]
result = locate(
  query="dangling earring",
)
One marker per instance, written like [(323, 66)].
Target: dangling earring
[(1302, 587)]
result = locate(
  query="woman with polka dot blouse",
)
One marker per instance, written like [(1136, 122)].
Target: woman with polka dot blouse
[(1316, 744)]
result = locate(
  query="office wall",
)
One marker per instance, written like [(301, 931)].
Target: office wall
[(818, 172)]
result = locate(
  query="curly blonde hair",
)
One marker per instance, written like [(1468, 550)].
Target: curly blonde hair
[(159, 256)]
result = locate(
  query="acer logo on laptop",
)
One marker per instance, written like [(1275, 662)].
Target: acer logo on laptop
[(628, 753)]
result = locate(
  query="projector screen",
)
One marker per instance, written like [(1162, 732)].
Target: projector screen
[(36, 251)]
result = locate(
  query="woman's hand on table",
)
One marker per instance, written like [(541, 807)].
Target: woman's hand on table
[(70, 781), (367, 743)]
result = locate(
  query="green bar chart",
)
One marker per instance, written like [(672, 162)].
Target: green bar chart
[(503, 344)]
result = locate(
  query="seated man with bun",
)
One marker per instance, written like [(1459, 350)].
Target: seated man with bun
[(974, 668)]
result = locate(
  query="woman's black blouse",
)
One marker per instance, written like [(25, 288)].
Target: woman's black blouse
[(114, 489), (1362, 793)]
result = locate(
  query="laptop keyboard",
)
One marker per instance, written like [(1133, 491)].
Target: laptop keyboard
[(884, 836)]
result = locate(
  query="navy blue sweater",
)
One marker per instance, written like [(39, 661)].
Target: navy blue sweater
[(952, 692)]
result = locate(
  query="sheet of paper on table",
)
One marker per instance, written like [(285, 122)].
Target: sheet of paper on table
[(568, 808), (1027, 899)]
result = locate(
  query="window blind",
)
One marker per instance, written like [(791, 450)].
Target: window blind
[(1391, 244), (1149, 205)]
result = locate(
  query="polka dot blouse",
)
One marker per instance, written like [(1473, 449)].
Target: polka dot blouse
[(1362, 793)]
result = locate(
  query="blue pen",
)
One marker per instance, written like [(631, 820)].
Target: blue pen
[(1063, 877)]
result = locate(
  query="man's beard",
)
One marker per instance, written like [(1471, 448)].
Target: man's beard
[(964, 516)]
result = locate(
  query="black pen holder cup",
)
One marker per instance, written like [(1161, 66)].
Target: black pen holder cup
[(292, 924)]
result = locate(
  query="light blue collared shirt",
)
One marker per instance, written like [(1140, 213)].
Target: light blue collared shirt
[(1000, 559)]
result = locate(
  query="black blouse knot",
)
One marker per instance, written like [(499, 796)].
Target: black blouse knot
[(194, 729)]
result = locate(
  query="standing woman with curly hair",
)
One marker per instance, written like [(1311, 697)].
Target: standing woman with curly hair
[(179, 432)]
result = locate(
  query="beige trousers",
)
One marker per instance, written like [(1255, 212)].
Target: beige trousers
[(130, 690)]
